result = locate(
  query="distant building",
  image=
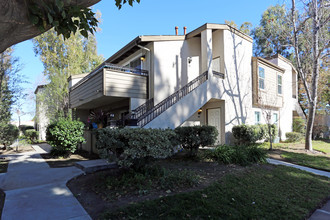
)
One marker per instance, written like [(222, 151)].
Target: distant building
[(41, 119)]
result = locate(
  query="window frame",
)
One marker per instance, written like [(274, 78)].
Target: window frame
[(261, 78), (257, 117), (279, 85)]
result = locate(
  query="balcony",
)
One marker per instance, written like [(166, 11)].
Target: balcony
[(108, 84)]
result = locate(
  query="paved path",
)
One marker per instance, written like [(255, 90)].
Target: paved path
[(319, 214), (36, 191)]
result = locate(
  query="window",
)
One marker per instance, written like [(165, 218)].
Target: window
[(257, 117), (135, 64), (261, 78), (279, 84), (275, 118)]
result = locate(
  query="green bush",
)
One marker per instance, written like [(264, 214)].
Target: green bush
[(293, 137), (8, 134), (298, 125), (247, 134), (32, 135), (64, 135), (250, 134), (191, 138), (135, 147), (241, 155), (23, 128)]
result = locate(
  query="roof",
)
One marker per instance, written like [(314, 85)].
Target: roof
[(269, 64), (39, 87), (143, 40), (279, 56)]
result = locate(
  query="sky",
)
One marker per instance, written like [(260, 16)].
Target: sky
[(150, 17)]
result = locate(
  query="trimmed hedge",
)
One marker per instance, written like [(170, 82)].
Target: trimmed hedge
[(293, 137), (134, 147), (64, 135), (191, 138), (250, 134)]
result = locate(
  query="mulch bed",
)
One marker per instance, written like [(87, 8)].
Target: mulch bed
[(58, 162)]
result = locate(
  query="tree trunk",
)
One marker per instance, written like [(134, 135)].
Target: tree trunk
[(270, 137), (315, 77)]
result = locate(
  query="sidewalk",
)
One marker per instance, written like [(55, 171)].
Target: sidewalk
[(36, 191), (319, 214)]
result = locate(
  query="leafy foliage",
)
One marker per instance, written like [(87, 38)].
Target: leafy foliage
[(293, 137), (62, 58), (246, 134), (64, 135), (65, 19), (271, 36), (120, 3), (191, 138), (31, 135), (135, 147), (242, 155), (8, 134), (298, 125)]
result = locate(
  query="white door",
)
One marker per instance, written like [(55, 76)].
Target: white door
[(213, 119)]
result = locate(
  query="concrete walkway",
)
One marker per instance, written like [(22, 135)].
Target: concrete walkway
[(36, 191), (322, 213)]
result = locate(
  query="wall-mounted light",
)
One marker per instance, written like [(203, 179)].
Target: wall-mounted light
[(143, 58), (189, 60), (199, 111)]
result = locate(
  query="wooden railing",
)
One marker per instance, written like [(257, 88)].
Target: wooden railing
[(112, 67), (144, 114)]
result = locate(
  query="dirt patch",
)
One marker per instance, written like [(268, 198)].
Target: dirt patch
[(14, 150), (95, 202), (59, 162)]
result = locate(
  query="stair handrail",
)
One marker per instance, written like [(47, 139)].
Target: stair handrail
[(152, 113)]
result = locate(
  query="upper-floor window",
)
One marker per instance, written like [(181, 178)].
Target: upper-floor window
[(279, 84), (261, 78), (257, 117), (135, 64)]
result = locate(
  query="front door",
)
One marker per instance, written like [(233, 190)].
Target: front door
[(213, 119)]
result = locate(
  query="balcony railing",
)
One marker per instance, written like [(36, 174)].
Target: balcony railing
[(111, 67)]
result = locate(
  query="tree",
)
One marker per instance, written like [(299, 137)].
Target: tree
[(310, 26), (245, 27), (22, 20), (271, 36), (62, 58)]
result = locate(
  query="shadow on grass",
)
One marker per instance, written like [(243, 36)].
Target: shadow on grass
[(262, 192)]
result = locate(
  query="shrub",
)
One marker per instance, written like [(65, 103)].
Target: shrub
[(293, 137), (134, 147), (191, 138), (64, 135), (298, 125), (247, 134), (8, 134), (31, 135), (242, 155), (23, 128), (273, 130)]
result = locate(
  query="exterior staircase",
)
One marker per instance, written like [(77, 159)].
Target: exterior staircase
[(184, 102)]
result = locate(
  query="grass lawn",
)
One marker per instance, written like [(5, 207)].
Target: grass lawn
[(260, 192), (296, 153), (317, 162)]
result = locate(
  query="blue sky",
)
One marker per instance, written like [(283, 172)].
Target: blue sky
[(150, 17)]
